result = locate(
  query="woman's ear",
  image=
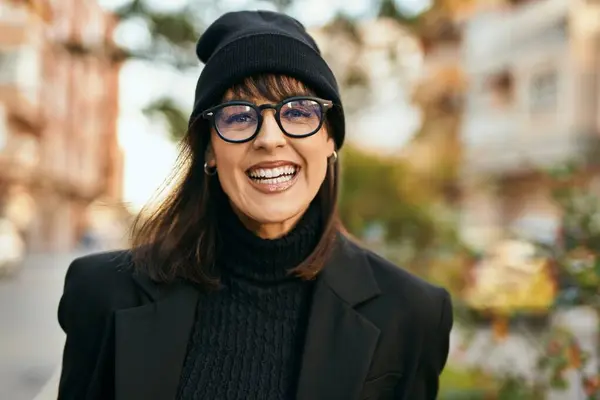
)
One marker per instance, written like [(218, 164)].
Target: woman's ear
[(209, 156), (330, 145)]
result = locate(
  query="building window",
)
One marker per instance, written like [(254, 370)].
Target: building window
[(19, 67), (502, 88), (9, 60), (544, 91)]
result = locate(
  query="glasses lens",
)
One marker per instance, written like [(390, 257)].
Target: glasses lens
[(236, 122), (300, 117)]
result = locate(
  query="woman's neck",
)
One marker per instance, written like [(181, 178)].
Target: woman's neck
[(244, 253), (270, 230)]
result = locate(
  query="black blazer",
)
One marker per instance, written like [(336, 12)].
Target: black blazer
[(374, 332)]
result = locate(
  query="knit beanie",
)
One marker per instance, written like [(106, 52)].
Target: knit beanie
[(245, 43)]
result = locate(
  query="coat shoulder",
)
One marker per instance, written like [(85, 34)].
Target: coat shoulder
[(403, 287), (100, 283), (386, 271), (95, 287), (100, 271), (111, 265)]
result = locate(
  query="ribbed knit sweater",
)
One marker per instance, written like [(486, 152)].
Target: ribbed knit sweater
[(248, 336)]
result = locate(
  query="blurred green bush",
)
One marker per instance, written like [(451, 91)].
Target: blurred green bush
[(458, 383)]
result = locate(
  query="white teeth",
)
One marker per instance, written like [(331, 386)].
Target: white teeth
[(281, 179), (273, 174)]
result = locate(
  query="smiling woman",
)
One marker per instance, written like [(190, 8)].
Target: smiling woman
[(288, 172), (242, 283)]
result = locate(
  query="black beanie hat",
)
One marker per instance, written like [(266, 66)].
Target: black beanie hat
[(244, 43)]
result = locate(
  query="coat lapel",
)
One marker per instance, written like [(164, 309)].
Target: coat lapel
[(151, 343), (340, 342)]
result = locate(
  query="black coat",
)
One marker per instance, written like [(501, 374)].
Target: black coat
[(374, 332)]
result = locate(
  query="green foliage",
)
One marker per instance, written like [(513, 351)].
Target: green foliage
[(465, 384), (372, 191), (175, 118), (385, 191), (575, 259), (173, 35), (516, 388), (344, 24), (178, 29), (388, 9), (576, 255), (473, 384)]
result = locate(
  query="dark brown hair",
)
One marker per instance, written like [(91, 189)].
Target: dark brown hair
[(177, 238)]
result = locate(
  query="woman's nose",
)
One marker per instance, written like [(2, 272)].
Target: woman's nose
[(270, 135)]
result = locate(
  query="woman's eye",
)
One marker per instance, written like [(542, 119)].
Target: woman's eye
[(239, 119), (297, 113)]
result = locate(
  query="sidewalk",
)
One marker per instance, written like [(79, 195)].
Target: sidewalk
[(50, 389)]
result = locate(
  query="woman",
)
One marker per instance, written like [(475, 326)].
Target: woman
[(242, 284)]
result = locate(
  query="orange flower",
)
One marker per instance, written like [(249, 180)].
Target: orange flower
[(553, 347), (500, 328), (574, 356), (591, 385)]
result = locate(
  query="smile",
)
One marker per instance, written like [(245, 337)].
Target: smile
[(276, 179)]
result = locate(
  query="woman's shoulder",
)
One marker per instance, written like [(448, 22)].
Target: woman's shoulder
[(103, 267), (400, 297), (399, 283), (101, 280)]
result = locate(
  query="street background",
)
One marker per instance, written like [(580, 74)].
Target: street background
[(31, 340), (473, 140)]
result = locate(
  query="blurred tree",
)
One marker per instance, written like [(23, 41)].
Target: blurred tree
[(171, 39), (172, 35), (576, 261), (383, 191), (435, 150), (167, 109), (390, 9), (372, 191)]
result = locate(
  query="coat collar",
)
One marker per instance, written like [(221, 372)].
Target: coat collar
[(340, 342), (151, 340), (349, 275)]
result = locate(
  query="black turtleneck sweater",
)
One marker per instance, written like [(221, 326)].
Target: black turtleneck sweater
[(248, 336)]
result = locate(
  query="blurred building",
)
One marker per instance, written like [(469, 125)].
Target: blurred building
[(58, 115), (532, 103), (375, 61), (435, 151)]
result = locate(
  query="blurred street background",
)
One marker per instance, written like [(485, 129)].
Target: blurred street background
[(472, 160), (30, 339)]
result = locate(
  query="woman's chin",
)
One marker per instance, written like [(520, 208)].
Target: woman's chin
[(276, 215), (275, 219)]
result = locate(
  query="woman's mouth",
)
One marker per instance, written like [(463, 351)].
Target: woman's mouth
[(277, 179)]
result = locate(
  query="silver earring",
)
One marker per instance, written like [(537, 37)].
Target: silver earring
[(333, 158), (208, 170)]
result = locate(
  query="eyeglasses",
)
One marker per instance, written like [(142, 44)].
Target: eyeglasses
[(240, 121)]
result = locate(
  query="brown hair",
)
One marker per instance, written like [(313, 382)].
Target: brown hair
[(177, 238)]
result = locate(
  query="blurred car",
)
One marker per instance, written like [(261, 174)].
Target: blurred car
[(12, 248)]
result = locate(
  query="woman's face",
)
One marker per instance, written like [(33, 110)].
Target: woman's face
[(270, 207)]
